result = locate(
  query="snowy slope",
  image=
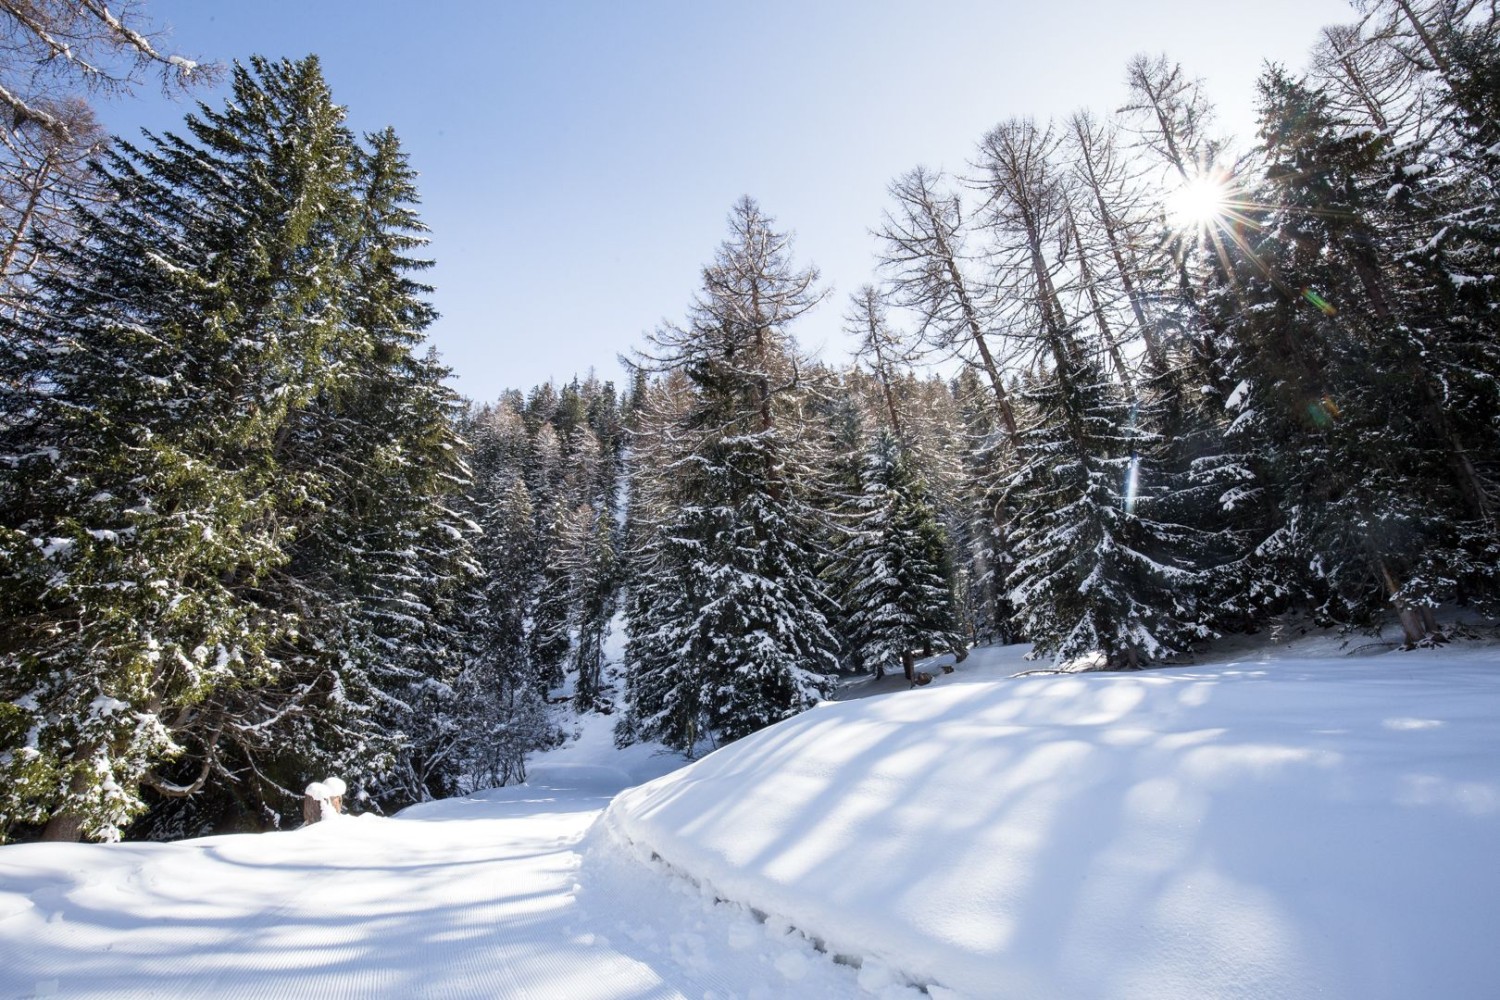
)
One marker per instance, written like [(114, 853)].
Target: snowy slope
[(1288, 827)]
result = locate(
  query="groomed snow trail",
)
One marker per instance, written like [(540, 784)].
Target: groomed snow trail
[(493, 896)]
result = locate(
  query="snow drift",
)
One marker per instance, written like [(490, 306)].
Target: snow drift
[(1291, 828)]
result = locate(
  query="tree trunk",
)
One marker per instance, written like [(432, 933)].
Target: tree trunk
[(1428, 42), (908, 666), (64, 828), (986, 359), (1106, 335), (23, 224), (976, 331), (1430, 622), (1111, 235), (1410, 618), (67, 827)]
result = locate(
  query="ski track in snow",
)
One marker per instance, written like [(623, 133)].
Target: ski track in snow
[(492, 896)]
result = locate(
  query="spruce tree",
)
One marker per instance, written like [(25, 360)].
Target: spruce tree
[(1098, 570), (175, 365), (898, 595), (984, 550), (228, 511), (503, 715), (1358, 387)]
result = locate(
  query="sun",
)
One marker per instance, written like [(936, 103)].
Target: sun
[(1201, 201)]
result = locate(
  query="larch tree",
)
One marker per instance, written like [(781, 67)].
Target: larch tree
[(1095, 570), (930, 271)]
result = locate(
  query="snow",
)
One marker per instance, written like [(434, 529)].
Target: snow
[(53, 546), (1287, 826), (105, 705), (1288, 820), (509, 893)]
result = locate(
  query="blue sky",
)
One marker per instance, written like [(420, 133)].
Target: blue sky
[(578, 160)]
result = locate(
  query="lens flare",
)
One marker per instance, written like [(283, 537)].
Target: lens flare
[(1132, 483), (1321, 304)]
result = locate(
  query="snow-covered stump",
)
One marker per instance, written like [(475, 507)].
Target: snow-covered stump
[(322, 800)]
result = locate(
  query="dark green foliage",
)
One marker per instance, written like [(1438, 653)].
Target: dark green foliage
[(1360, 380), (896, 569), (1098, 568), (227, 552), (548, 474), (728, 627)]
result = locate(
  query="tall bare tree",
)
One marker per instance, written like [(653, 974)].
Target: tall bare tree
[(1112, 219), (880, 347), (1025, 216), (924, 260)]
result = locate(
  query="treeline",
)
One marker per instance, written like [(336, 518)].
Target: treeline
[(1194, 393), (250, 537), (547, 491)]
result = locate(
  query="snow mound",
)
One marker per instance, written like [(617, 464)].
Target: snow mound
[(1286, 828)]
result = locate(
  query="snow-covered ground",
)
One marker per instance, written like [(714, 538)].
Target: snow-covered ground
[(1290, 822), (1285, 821), (501, 895)]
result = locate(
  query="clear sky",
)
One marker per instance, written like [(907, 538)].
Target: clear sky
[(578, 160)]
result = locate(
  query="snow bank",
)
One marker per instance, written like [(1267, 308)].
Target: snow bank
[(1292, 828)]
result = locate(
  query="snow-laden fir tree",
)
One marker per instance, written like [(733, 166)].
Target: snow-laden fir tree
[(1450, 195), (389, 542), (150, 501), (728, 629), (1097, 568), (549, 639), (1133, 179), (983, 557), (504, 712), (897, 599), (843, 416), (587, 551), (570, 619), (228, 390), (1360, 380)]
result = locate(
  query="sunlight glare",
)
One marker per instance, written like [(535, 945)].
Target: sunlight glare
[(1199, 202)]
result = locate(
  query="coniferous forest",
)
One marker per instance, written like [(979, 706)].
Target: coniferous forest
[(1122, 387)]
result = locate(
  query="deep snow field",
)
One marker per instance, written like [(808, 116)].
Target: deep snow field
[(1279, 820)]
